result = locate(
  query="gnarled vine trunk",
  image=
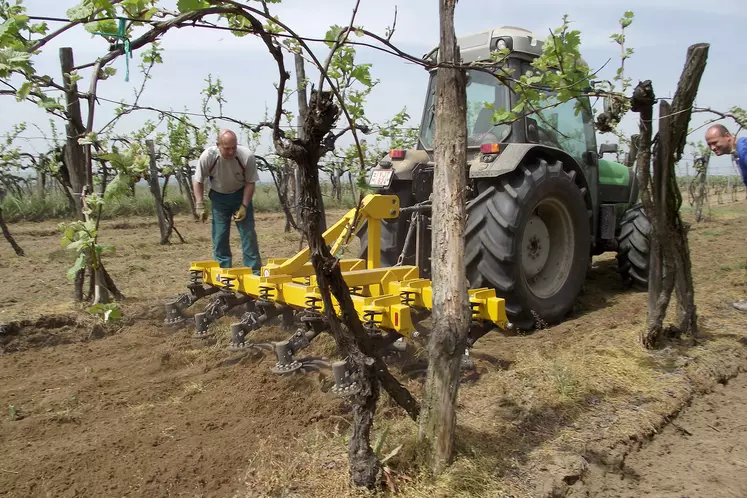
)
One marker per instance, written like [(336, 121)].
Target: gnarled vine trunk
[(352, 339), (670, 267)]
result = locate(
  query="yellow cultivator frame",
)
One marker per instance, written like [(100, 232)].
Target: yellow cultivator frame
[(383, 297)]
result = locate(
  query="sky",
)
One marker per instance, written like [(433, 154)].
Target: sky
[(660, 35)]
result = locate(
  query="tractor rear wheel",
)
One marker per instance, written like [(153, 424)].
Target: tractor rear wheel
[(528, 236), (633, 247)]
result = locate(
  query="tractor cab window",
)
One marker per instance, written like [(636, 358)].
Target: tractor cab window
[(568, 126), (482, 88), (564, 127)]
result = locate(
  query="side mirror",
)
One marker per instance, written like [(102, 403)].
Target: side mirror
[(532, 130), (608, 148)]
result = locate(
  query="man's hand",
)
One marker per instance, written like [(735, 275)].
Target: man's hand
[(240, 214), (201, 213)]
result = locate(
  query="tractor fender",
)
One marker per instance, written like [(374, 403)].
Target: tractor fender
[(404, 167), (512, 155)]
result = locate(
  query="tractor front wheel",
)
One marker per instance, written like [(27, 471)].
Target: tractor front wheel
[(633, 248), (528, 236)]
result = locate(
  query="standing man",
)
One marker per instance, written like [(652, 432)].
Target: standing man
[(720, 141), (232, 174)]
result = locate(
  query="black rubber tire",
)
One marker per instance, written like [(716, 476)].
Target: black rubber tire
[(393, 232), (497, 219), (633, 248)]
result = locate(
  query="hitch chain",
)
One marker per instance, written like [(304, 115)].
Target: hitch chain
[(408, 238)]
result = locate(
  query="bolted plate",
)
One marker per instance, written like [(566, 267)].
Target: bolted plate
[(174, 322), (286, 369), (346, 390), (235, 348), (203, 335)]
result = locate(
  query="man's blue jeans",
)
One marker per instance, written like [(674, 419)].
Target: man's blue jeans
[(223, 207)]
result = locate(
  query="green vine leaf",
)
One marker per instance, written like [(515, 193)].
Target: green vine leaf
[(79, 264), (190, 5), (81, 11), (13, 60)]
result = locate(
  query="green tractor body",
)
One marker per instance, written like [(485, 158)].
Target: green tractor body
[(541, 198)]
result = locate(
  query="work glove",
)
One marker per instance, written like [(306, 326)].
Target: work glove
[(201, 212), (240, 214)]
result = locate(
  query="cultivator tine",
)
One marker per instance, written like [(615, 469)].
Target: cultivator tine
[(251, 320), (467, 363), (239, 331), (174, 315), (219, 307), (344, 385), (289, 319), (175, 307), (285, 351), (238, 337), (399, 345), (201, 324), (286, 363)]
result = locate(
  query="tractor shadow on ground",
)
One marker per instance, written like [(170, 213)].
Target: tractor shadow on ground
[(524, 430), (602, 285)]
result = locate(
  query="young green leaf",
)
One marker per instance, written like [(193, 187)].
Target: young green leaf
[(80, 263), (190, 5), (80, 11)]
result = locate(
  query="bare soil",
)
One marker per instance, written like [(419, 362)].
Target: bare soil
[(702, 452), (131, 408)]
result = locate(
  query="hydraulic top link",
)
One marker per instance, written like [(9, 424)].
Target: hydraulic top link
[(384, 296)]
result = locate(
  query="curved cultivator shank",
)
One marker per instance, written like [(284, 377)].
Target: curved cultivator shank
[(391, 302)]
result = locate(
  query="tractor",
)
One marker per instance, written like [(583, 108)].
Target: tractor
[(542, 198)]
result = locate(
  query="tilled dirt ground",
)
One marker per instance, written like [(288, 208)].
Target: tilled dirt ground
[(701, 453), (133, 409)]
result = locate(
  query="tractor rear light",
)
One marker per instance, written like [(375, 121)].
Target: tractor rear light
[(396, 319), (490, 148), (397, 153)]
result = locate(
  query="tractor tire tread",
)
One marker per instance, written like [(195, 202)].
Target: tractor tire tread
[(634, 248)]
